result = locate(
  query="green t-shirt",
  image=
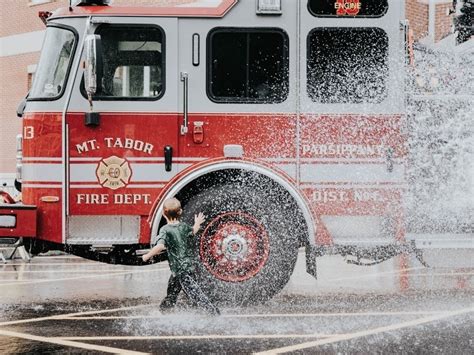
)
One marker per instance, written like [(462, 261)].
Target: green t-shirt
[(178, 240)]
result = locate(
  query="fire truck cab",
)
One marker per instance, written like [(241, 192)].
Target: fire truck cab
[(281, 120)]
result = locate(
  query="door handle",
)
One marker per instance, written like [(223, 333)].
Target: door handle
[(168, 157), (185, 80)]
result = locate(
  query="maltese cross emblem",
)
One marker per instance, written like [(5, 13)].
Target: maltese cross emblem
[(114, 172)]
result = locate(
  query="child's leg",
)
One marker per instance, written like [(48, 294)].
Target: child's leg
[(172, 292), (196, 295)]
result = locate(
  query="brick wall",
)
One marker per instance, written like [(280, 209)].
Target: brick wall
[(417, 13), (25, 18), (443, 22)]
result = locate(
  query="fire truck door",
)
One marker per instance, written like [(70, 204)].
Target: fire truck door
[(119, 166), (240, 71)]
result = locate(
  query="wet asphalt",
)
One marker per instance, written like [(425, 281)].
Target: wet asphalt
[(65, 304)]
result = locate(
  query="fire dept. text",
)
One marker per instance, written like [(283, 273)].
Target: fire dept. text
[(117, 199)]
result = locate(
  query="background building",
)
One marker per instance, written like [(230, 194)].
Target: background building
[(21, 36)]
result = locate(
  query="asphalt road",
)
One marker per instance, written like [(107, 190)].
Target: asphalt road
[(67, 304)]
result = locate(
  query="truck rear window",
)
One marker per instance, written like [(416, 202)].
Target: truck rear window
[(348, 8), (248, 65), (347, 65), (132, 61)]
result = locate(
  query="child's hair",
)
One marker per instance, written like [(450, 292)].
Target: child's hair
[(172, 208)]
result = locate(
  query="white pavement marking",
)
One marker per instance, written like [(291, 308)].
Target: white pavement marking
[(54, 257), (272, 315), (85, 263), (61, 316), (21, 283), (364, 333), (64, 342), (378, 274), (62, 271), (197, 337), (166, 268), (444, 274)]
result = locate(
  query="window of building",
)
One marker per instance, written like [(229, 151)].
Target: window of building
[(132, 63), (348, 8), (55, 61), (347, 65), (31, 70), (248, 65), (30, 78), (38, 2)]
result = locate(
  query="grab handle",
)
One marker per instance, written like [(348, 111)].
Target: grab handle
[(185, 80)]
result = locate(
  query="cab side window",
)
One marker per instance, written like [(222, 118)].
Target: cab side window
[(347, 65), (247, 65), (132, 62)]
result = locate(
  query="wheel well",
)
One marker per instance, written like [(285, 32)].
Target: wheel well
[(249, 178)]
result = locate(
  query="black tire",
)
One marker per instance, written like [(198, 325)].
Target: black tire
[(272, 209)]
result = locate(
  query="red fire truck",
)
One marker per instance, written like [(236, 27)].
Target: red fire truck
[(282, 121)]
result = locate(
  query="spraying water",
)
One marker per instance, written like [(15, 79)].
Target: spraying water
[(441, 142)]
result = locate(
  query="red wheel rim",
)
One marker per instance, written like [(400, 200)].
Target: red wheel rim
[(234, 246)]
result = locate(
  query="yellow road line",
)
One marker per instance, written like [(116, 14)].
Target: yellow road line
[(65, 342), (365, 333)]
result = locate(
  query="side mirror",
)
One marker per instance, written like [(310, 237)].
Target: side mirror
[(92, 75), (93, 67)]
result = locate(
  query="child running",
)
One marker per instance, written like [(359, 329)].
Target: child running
[(177, 238)]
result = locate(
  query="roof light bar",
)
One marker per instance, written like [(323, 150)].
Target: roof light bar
[(268, 7)]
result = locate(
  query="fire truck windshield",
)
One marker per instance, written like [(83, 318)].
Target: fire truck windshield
[(54, 63)]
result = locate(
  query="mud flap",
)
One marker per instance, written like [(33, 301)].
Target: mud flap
[(311, 254)]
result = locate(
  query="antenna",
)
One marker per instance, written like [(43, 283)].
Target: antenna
[(70, 5)]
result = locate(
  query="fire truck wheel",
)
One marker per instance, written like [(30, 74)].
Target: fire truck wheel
[(248, 245)]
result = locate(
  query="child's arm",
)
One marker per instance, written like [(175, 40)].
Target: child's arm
[(198, 220), (157, 249)]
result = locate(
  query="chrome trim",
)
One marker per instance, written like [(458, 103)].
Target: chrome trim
[(19, 157), (185, 79)]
